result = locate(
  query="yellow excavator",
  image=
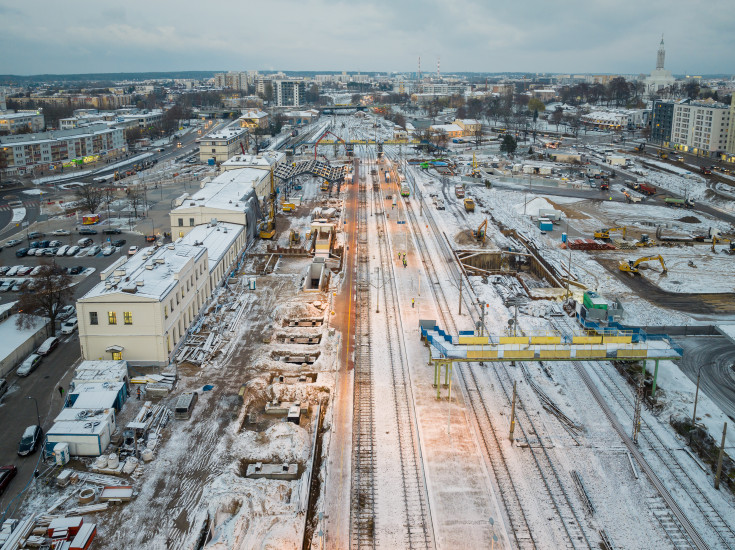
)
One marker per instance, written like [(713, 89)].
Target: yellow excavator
[(631, 266), (605, 233), (481, 231), (475, 172), (717, 239), (267, 228)]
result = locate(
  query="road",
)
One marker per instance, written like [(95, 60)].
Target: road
[(715, 355)]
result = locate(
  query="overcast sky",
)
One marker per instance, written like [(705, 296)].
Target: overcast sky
[(622, 36)]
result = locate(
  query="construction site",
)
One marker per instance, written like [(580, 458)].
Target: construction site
[(465, 351)]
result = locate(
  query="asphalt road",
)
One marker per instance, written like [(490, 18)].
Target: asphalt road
[(716, 357)]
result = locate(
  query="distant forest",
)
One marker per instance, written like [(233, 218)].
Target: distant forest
[(10, 79)]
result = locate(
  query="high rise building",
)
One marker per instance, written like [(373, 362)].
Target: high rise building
[(289, 93)]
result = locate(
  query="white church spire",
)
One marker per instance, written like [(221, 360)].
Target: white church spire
[(661, 54)]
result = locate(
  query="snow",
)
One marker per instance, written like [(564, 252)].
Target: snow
[(19, 214), (32, 192)]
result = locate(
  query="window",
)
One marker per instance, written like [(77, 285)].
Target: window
[(92, 317), (111, 318), (191, 222), (181, 222), (128, 317), (165, 312), (116, 355), (172, 304)]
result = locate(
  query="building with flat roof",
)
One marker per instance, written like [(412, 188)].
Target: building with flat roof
[(662, 118), (13, 122), (144, 308), (265, 160), (223, 144), (231, 197), (289, 93), (62, 146), (253, 119), (701, 127)]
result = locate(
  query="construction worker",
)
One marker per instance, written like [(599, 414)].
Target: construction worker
[(412, 302), (138, 393), (404, 261)]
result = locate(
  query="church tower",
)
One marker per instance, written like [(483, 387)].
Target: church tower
[(661, 54)]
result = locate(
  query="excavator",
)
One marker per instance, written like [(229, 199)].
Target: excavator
[(631, 266), (717, 239), (481, 231), (475, 172), (605, 233), (267, 228)]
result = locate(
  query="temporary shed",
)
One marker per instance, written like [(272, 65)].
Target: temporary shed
[(101, 371), (87, 432), (97, 395)]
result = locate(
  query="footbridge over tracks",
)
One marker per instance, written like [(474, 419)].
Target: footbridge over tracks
[(467, 346), (316, 168)]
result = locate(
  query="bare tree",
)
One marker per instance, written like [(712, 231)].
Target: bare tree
[(135, 198), (477, 135), (51, 292), (90, 196)]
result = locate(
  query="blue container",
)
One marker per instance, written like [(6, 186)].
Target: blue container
[(563, 237), (546, 226), (210, 161)]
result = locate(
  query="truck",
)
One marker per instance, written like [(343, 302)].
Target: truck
[(704, 170), (469, 204), (646, 189), (459, 191), (679, 203)]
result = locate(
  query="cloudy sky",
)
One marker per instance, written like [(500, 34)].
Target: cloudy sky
[(621, 36)]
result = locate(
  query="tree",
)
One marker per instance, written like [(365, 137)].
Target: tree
[(268, 89), (508, 145), (355, 99), (691, 89), (477, 135), (536, 105), (90, 196), (3, 162), (50, 293), (556, 117), (135, 198)]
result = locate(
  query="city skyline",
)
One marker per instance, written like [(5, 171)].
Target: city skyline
[(326, 35)]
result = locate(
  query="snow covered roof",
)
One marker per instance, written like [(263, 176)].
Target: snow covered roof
[(253, 113), (136, 279), (217, 239), (100, 371), (81, 422), (226, 133), (228, 191), (446, 128), (263, 160), (95, 399)]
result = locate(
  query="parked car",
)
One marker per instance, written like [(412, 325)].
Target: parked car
[(61, 232), (108, 251), (7, 473), (55, 243), (29, 365), (93, 251), (66, 312), (36, 270), (35, 235), (132, 250), (62, 251), (44, 244), (112, 231), (13, 270), (51, 251), (22, 252), (7, 285), (13, 242), (4, 269), (31, 439), (72, 250), (24, 270), (119, 242), (3, 386), (34, 244), (67, 327), (75, 270), (19, 285), (48, 346), (29, 251), (87, 231)]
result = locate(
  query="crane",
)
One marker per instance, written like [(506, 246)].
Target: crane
[(316, 145), (267, 228), (631, 266), (605, 233)]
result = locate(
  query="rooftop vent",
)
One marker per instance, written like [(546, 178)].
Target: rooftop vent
[(120, 272), (150, 266), (139, 282), (171, 247), (160, 261)]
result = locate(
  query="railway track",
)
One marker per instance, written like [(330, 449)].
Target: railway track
[(556, 495), (418, 525), (363, 492)]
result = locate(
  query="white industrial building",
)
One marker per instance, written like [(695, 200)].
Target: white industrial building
[(230, 197), (144, 308), (701, 127)]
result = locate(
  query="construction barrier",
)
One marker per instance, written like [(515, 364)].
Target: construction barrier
[(587, 339), (632, 353), (474, 340), (546, 339), (512, 354), (513, 339), (482, 354), (598, 352), (555, 354), (617, 339)]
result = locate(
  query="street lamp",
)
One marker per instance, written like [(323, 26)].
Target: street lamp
[(38, 416)]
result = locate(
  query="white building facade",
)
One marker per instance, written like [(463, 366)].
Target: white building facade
[(223, 144), (701, 127)]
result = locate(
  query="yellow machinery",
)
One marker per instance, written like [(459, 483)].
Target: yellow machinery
[(475, 172), (645, 240), (481, 231), (605, 233), (294, 238), (469, 204), (267, 228), (631, 266), (717, 239), (288, 206)]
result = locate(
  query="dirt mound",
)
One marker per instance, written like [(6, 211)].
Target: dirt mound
[(569, 211), (464, 237), (689, 219)]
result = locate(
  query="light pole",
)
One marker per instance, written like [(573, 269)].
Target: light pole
[(38, 416), (694, 414)]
